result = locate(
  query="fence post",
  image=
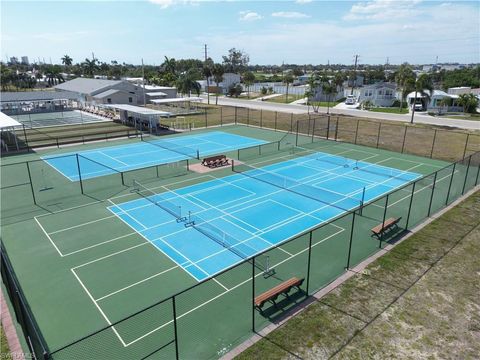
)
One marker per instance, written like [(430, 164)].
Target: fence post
[(410, 205), (309, 257), (291, 122), (383, 221), (351, 238), (248, 116), (221, 116), (253, 294), (450, 184), (175, 326), (313, 129), (206, 118), (466, 146), (261, 118), (336, 130), (466, 175), (378, 134), (433, 143), (404, 137), (25, 134), (276, 120), (235, 115), (433, 191), (31, 184), (79, 173), (356, 132), (296, 137), (328, 126), (478, 173)]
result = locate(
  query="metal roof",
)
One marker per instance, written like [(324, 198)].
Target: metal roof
[(153, 94), (108, 93), (7, 121), (87, 86), (174, 100), (37, 95), (138, 109)]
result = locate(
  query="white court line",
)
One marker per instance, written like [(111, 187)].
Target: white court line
[(137, 283), (125, 213), (99, 308), (227, 291), (48, 236), (111, 157), (80, 225), (101, 243)]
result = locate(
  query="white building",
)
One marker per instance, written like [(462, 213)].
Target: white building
[(228, 80), (381, 94), (25, 60), (435, 103)]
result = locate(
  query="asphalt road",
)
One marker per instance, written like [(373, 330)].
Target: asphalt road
[(302, 109)]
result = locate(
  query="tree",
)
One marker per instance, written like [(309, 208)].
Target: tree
[(53, 75), (90, 67), (297, 72), (248, 79), (328, 89), (236, 61), (423, 86), (263, 90), (469, 103), (287, 79), (403, 78), (234, 90), (217, 72), (67, 61), (207, 72), (313, 84), (187, 82)]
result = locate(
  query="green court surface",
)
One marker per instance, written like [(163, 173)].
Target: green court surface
[(84, 271)]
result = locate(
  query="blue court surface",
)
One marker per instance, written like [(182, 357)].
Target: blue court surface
[(208, 227), (152, 151)]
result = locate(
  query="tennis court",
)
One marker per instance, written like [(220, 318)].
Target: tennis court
[(151, 151), (297, 194), (157, 270), (37, 120)]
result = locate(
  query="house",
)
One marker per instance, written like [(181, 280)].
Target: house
[(436, 102), (100, 91), (381, 94), (319, 95), (228, 80)]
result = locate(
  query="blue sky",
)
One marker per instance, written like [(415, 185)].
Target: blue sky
[(271, 32)]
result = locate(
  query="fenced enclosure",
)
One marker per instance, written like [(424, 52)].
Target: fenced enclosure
[(205, 320)]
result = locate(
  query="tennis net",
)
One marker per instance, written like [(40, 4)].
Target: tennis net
[(371, 168), (324, 196), (228, 241), (183, 150), (158, 200)]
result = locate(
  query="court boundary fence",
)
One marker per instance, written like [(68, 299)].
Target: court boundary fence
[(462, 175)]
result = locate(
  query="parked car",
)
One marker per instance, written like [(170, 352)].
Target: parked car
[(351, 100)]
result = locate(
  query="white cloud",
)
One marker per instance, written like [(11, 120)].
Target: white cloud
[(249, 16), (290, 14), (167, 3), (303, 1), (383, 10)]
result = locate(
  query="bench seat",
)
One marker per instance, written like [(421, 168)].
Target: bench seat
[(385, 226), (273, 293)]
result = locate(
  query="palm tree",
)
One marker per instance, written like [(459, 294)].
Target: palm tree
[(287, 79), (328, 89), (207, 72), (248, 79), (53, 75), (403, 77), (423, 86), (187, 83), (218, 70), (469, 102), (67, 60), (90, 67)]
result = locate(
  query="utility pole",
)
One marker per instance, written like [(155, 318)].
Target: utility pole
[(354, 74), (143, 85), (208, 80)]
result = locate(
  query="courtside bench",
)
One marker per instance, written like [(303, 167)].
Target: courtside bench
[(385, 227), (215, 161), (272, 294)]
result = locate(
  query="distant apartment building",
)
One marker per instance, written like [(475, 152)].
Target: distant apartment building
[(25, 60)]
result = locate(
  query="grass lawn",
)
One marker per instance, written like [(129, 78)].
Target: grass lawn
[(418, 301), (4, 350), (283, 98), (390, 110)]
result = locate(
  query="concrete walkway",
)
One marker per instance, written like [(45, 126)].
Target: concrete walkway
[(302, 109)]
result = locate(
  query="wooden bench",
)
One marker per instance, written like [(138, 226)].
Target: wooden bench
[(389, 224), (215, 161), (273, 293)]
